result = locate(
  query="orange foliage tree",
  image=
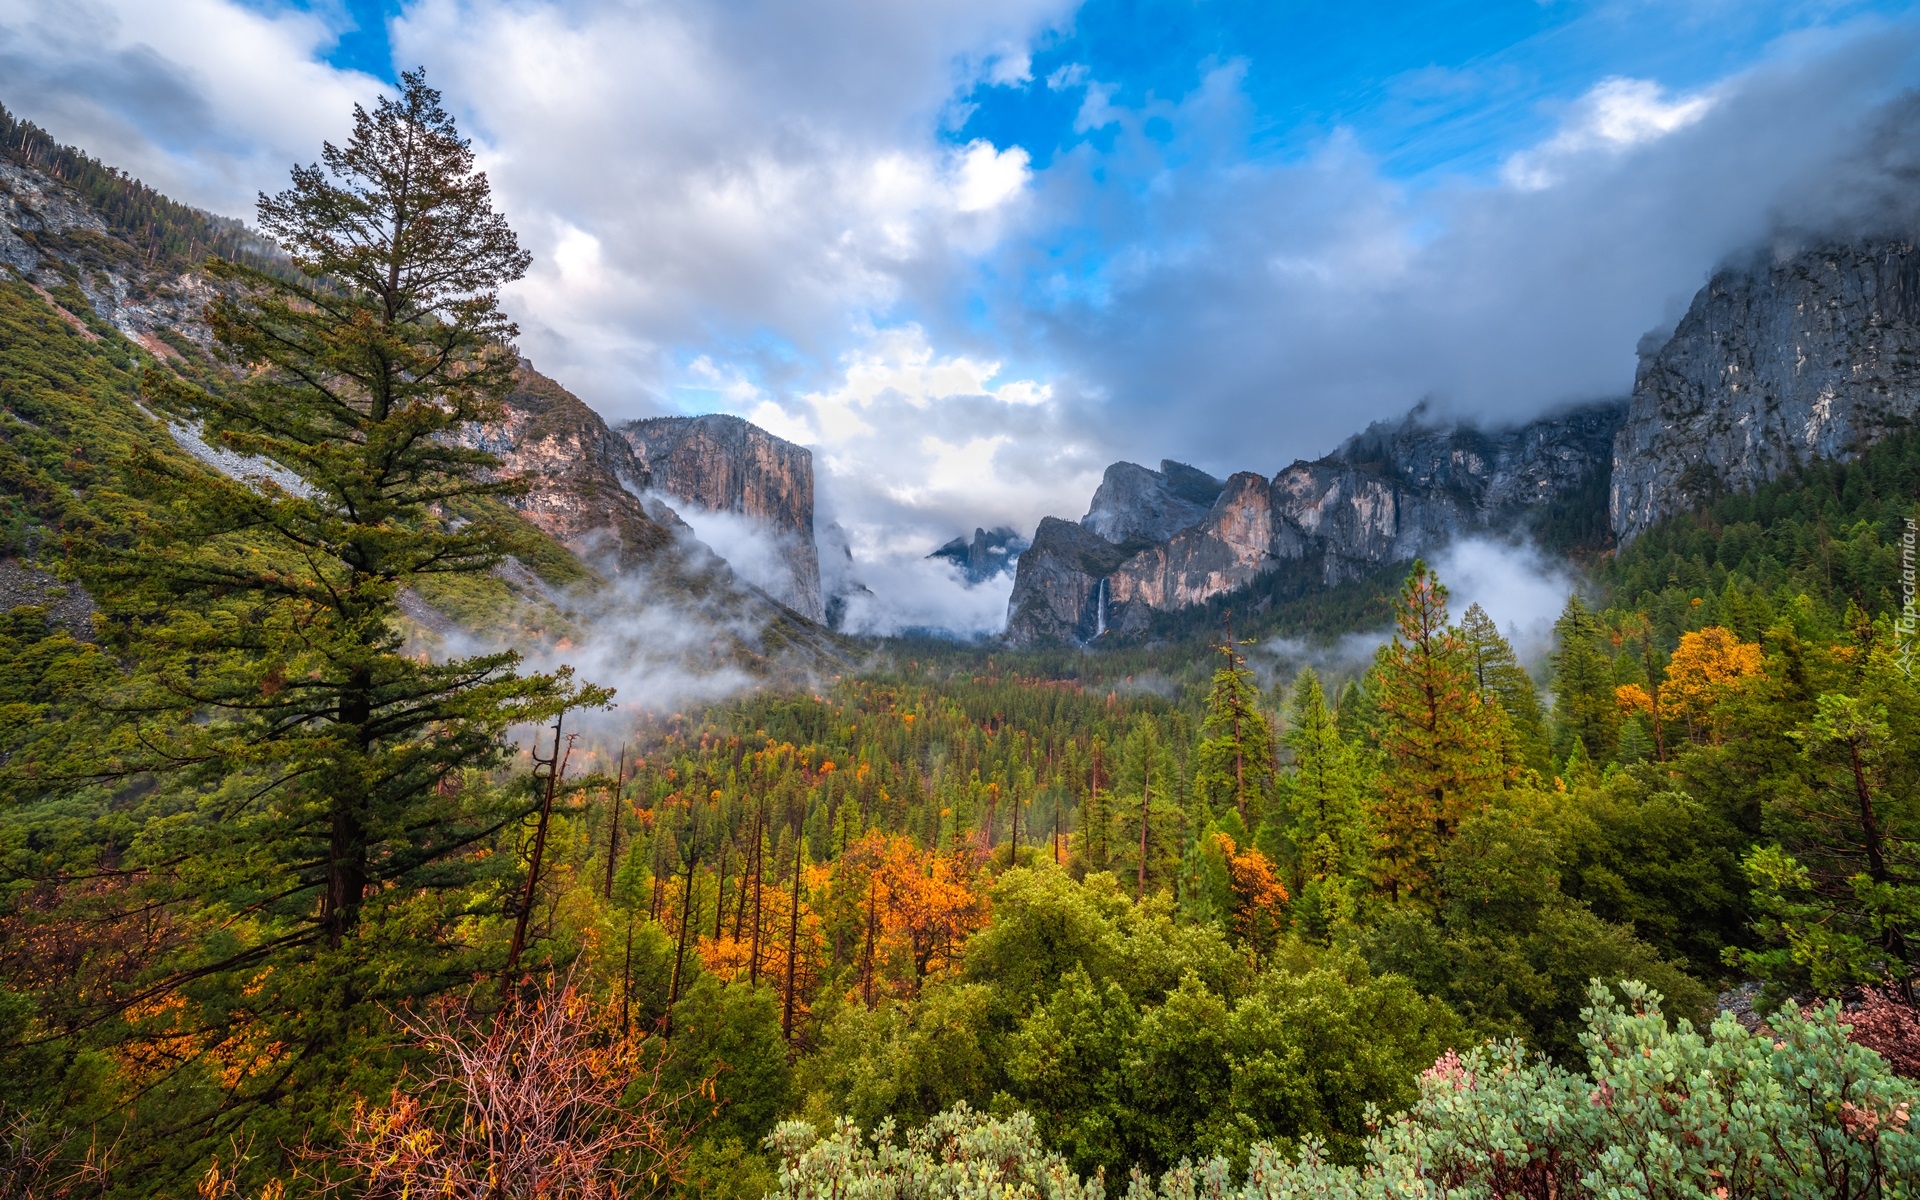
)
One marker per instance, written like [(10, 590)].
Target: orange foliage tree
[(1259, 898), (1707, 668), (909, 910)]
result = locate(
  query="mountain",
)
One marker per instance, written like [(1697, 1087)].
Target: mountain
[(1161, 541), (724, 465), (1780, 361), (115, 264), (1777, 363), (991, 553)]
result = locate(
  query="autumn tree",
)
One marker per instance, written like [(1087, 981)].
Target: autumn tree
[(1706, 669), (1439, 740)]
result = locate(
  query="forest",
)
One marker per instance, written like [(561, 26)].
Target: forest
[(290, 907)]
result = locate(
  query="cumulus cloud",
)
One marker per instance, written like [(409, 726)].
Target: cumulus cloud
[(752, 176), (207, 100)]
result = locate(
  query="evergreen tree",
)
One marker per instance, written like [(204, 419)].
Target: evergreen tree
[(323, 780), (1235, 762), (1497, 672), (1146, 813), (1839, 893), (1324, 793), (1440, 744), (1584, 706)]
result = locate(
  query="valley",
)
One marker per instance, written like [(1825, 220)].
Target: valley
[(394, 751)]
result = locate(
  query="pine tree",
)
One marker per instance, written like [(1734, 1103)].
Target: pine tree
[(1584, 705), (318, 767), (1324, 793), (1146, 811), (1497, 672), (1234, 764), (1440, 744)]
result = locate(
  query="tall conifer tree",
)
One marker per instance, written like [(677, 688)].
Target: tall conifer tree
[(1584, 705), (326, 779), (1497, 672), (1324, 792), (1440, 743), (1234, 764)]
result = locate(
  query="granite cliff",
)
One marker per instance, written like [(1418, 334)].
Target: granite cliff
[(1157, 541), (990, 553), (1804, 356), (722, 464), (585, 486)]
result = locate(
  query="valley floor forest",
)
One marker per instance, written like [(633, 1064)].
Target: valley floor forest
[(291, 906)]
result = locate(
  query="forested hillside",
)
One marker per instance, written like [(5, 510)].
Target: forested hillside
[(297, 902)]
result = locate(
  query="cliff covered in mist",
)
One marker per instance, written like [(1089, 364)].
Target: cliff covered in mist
[(1812, 355), (1160, 541)]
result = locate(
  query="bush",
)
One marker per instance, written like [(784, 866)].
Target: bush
[(1663, 1111)]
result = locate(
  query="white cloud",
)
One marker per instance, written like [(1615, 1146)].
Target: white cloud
[(207, 100), (1522, 589), (758, 207), (762, 168), (1615, 115)]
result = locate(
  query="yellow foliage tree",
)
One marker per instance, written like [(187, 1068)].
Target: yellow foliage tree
[(1708, 666)]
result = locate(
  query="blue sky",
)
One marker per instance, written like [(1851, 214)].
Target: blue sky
[(1448, 87), (972, 251)]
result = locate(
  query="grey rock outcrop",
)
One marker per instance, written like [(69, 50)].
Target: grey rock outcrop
[(1775, 364), (1134, 502), (722, 464), (991, 552), (1387, 495), (1060, 587)]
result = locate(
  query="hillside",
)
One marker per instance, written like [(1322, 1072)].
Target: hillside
[(116, 262)]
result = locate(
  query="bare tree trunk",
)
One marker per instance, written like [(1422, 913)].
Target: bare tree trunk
[(759, 877), (1146, 793), (720, 891), (680, 955), (866, 985), (519, 943), (793, 936), (613, 821), (626, 978)]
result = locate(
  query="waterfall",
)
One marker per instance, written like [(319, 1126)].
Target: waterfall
[(1100, 610)]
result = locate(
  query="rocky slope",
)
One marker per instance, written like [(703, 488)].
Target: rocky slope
[(588, 491), (1775, 363), (722, 464), (1394, 492), (585, 483)]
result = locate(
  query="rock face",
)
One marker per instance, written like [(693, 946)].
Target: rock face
[(1133, 502), (586, 483), (1774, 364), (1387, 495), (991, 553), (722, 464)]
